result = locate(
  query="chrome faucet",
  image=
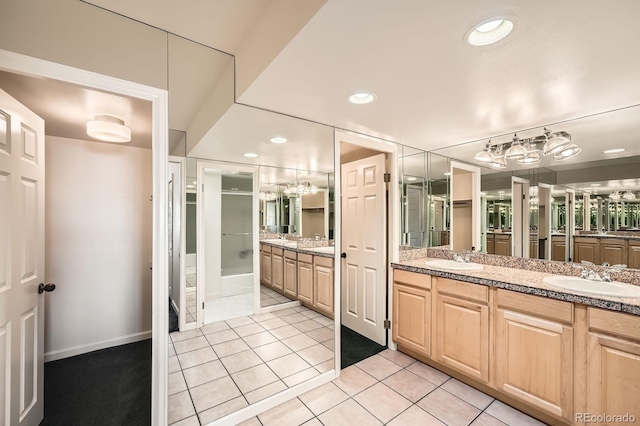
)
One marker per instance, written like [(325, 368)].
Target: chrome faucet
[(464, 257), (606, 277), (282, 236), (589, 274)]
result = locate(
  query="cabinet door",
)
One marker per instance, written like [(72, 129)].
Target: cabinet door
[(503, 245), (323, 289), (277, 272), (305, 282), (491, 244), (463, 336), (634, 256), (558, 248), (613, 367), (586, 249), (614, 252), (533, 247), (290, 278), (534, 359), (265, 268), (411, 323)]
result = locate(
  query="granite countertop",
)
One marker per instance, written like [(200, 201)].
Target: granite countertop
[(522, 281), (322, 251), (607, 236)]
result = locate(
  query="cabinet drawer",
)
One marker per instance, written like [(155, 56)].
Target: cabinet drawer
[(613, 242), (412, 278), (290, 254), (616, 323), (539, 306), (584, 240), (323, 261), (265, 248), (277, 251), (305, 258), (474, 292)]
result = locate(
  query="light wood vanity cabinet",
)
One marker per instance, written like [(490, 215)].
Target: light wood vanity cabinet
[(633, 254), (586, 249), (277, 269), (411, 324), (502, 245), (558, 247), (613, 363), (265, 265), (491, 244), (305, 278), (613, 251), (462, 327), (291, 274), (323, 284), (534, 351)]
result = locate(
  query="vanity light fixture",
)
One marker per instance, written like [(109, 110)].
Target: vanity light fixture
[(300, 188), (361, 98), (109, 129), (567, 152), (613, 150), (615, 195), (555, 142), (411, 178), (490, 32), (517, 150), (629, 195), (530, 158), (497, 160), (485, 155), (251, 155), (268, 195), (278, 139)]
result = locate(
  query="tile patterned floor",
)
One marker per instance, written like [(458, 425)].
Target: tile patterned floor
[(395, 389), (228, 307), (227, 365), (269, 297)]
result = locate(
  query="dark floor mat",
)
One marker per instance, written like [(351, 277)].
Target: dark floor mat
[(355, 347)]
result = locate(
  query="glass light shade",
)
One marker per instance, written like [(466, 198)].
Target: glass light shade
[(515, 152), (108, 129), (567, 152), (556, 143), (498, 163), (483, 157), (629, 195), (615, 195), (530, 158)]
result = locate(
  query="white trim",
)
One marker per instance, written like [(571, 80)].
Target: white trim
[(83, 349), (523, 221), (279, 307), (21, 64), (259, 407), (393, 237), (476, 237), (182, 313)]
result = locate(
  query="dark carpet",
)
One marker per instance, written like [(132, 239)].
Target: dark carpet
[(355, 347), (106, 387), (173, 318)]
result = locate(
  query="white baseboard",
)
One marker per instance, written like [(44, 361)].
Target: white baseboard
[(82, 349), (280, 306)]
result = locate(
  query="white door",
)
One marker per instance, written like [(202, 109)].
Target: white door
[(364, 271), (21, 264)]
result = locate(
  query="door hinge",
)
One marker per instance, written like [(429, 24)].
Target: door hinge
[(203, 187), (387, 177), (387, 324), (202, 305), (523, 197)]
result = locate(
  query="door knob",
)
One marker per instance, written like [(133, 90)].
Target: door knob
[(343, 255), (49, 287)]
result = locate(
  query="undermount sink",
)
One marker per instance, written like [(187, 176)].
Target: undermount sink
[(602, 288), (452, 265)]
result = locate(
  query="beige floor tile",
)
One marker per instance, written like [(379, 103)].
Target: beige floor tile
[(300, 377), (398, 357), (313, 422), (328, 322), (231, 347), (272, 351), (330, 344), (466, 393), (172, 350), (308, 325), (214, 393), (197, 357), (189, 421), (301, 308), (448, 408), (311, 314), (294, 318), (285, 332), (284, 312), (316, 354), (415, 416), (260, 339), (378, 367), (510, 415), (299, 342), (323, 398), (221, 336), (179, 336), (263, 317), (179, 407), (254, 378), (173, 364), (240, 321), (249, 329), (409, 385), (382, 402), (265, 391), (214, 327), (219, 411), (253, 421), (176, 383), (288, 365), (291, 413), (486, 420), (203, 373), (190, 345), (272, 323), (431, 374), (353, 380), (325, 366), (321, 334), (348, 413), (240, 361)]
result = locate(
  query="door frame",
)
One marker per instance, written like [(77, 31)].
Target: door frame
[(476, 237), (182, 315), (393, 218), (520, 235), (27, 65)]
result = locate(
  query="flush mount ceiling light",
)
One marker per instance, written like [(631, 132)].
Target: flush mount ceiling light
[(278, 139), (360, 98), (614, 151), (251, 155), (490, 32), (109, 129)]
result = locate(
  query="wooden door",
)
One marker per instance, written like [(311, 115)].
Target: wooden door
[(364, 275), (290, 276), (305, 282), (323, 288), (22, 189), (411, 323)]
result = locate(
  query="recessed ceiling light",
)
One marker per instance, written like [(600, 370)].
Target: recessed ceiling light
[(278, 139), (360, 98), (490, 32), (595, 184), (447, 173), (411, 178), (250, 155), (614, 150)]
